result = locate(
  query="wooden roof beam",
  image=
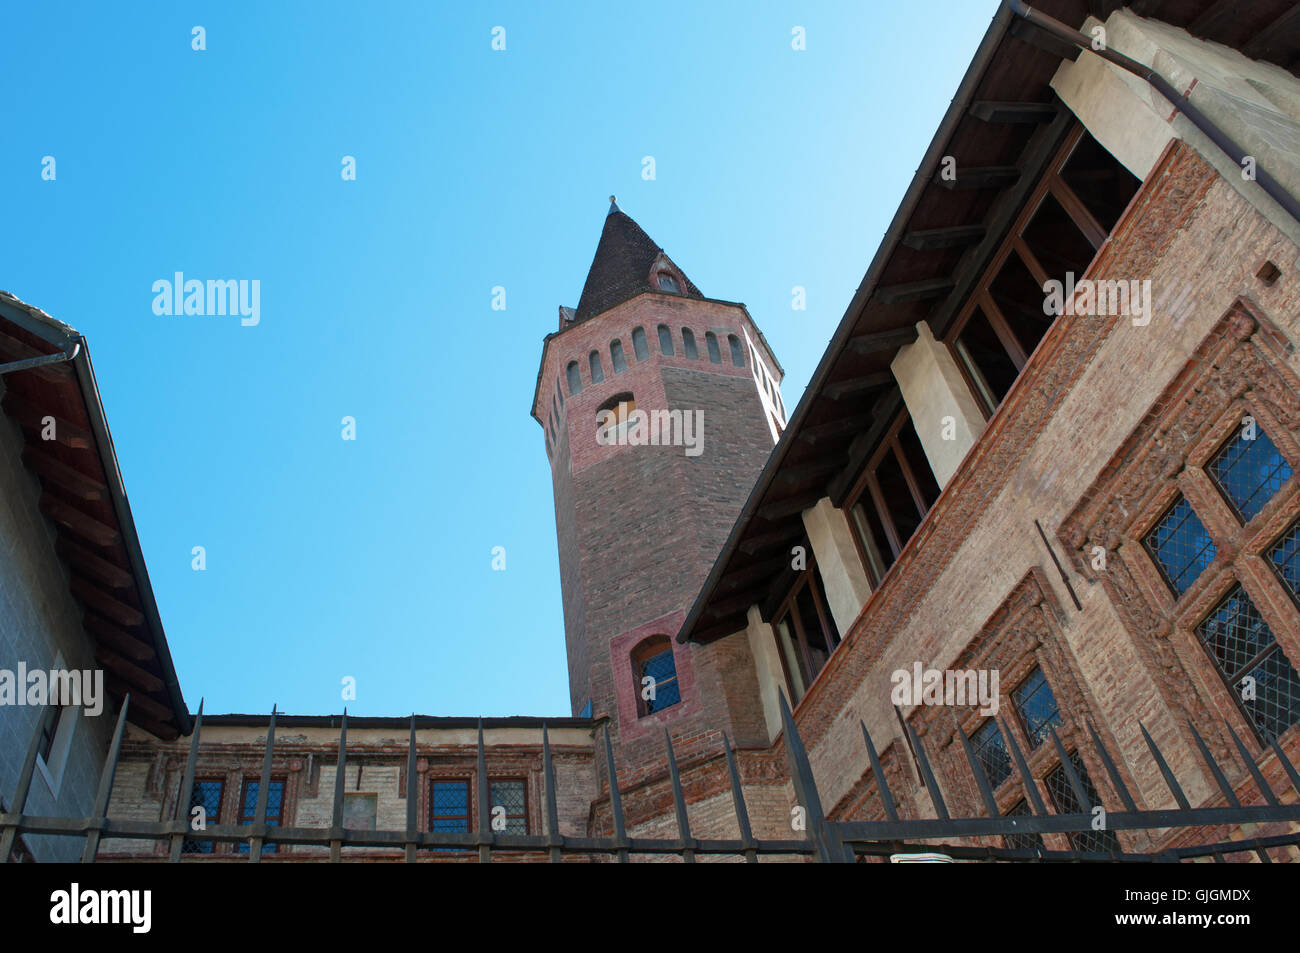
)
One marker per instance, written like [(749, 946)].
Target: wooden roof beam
[(1004, 112), (856, 385), (789, 506), (140, 701), (753, 544), (129, 671), (914, 291), (99, 600), (34, 418), (834, 428), (66, 478), (955, 236), (101, 630), (71, 518), (98, 568), (980, 177), (743, 577)]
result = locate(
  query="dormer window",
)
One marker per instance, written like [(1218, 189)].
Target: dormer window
[(668, 283)]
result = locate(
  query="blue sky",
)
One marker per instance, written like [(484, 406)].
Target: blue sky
[(474, 168)]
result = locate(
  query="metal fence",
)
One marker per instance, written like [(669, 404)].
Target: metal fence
[(822, 839)]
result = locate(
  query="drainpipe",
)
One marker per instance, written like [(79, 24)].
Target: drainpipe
[(1161, 85), (56, 358)]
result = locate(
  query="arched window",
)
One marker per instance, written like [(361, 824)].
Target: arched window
[(616, 356), (639, 346), (665, 341), (622, 406), (711, 340), (559, 391), (668, 283), (597, 372), (688, 344), (737, 352), (656, 675), (575, 379)]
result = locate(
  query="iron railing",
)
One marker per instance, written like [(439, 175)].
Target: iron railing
[(823, 839)]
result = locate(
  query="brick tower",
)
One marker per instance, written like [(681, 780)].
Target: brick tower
[(660, 407)]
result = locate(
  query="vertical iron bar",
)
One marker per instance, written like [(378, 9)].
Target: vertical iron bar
[(981, 778), (1229, 796), (1037, 807), (186, 793), (1287, 766), (1170, 781), (552, 810), (738, 801), (679, 804), (105, 787), (1269, 797), (1113, 770), (9, 833), (340, 782), (882, 784), (263, 792), (930, 781), (1071, 775), (485, 835), (805, 789), (615, 801), (412, 797)]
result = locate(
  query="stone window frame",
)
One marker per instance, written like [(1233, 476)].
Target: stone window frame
[(1025, 633), (1239, 369)]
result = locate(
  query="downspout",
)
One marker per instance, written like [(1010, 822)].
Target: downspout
[(57, 358), (1161, 85)]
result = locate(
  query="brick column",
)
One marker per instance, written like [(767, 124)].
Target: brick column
[(942, 408), (846, 583)]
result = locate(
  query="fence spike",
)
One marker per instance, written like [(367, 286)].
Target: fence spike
[(485, 835), (1071, 775), (1036, 805), (186, 792), (340, 782), (882, 783), (930, 781), (738, 802), (1229, 796), (679, 804), (9, 834), (615, 801), (412, 798), (105, 791), (1116, 780), (1269, 797), (805, 789), (552, 809), (263, 793), (1287, 766), (981, 777), (1170, 781)]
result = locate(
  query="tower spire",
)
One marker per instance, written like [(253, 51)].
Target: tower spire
[(613, 205)]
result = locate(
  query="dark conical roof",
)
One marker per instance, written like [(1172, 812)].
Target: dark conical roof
[(621, 268)]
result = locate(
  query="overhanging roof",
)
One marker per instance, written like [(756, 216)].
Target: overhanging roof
[(83, 496), (1004, 123)]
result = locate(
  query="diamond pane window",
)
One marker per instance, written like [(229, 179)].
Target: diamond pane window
[(449, 807), (1181, 545), (509, 795), (1252, 665), (991, 752), (663, 670), (207, 795), (274, 809), (1285, 559), (1249, 471), (1037, 707), (1021, 841), (1067, 802)]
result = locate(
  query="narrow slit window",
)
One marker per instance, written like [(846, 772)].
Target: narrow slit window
[(737, 350), (616, 356), (688, 344), (665, 341), (711, 341), (597, 371), (639, 346), (575, 378)]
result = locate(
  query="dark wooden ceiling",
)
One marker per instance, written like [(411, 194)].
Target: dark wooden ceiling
[(1005, 136)]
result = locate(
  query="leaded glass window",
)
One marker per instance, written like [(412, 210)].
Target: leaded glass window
[(991, 752), (1252, 664), (1285, 559), (1021, 841), (1037, 708), (274, 809), (449, 806), (511, 796), (1067, 802), (207, 795), (1249, 471), (1181, 546)]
